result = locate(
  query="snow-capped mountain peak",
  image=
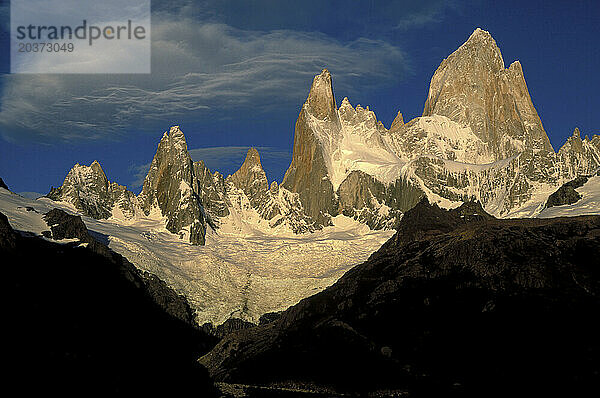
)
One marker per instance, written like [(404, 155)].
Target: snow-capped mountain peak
[(171, 188), (472, 87), (88, 189), (480, 137), (251, 178)]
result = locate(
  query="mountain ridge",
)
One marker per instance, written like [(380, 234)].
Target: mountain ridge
[(479, 138), (457, 303)]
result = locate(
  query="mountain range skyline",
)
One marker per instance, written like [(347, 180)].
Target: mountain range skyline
[(559, 69), (479, 138)]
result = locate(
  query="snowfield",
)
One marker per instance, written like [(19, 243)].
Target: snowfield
[(589, 203), (246, 268)]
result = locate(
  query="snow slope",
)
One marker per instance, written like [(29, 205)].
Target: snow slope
[(355, 143), (246, 268), (587, 205), (441, 137)]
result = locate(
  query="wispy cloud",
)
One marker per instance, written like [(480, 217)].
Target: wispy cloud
[(138, 174), (199, 70), (426, 13), (358, 17), (212, 59)]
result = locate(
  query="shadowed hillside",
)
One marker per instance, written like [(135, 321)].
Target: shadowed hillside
[(456, 303), (83, 320)]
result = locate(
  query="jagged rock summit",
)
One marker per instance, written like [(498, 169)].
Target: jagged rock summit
[(580, 156), (172, 188), (473, 88), (480, 138), (342, 163), (321, 101), (308, 174), (88, 189), (275, 204), (251, 178), (186, 194)]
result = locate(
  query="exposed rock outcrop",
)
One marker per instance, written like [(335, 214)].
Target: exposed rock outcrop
[(8, 237), (172, 188), (251, 179), (480, 136), (211, 191), (275, 204), (473, 88), (343, 162), (566, 194), (229, 326), (374, 203), (90, 192), (66, 226), (268, 317), (308, 174), (579, 157), (397, 123)]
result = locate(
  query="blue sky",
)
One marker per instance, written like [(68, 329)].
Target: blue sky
[(235, 73)]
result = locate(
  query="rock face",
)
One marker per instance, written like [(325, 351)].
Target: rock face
[(251, 179), (227, 327), (8, 237), (335, 151), (374, 203), (472, 88), (457, 303), (187, 194), (580, 157), (88, 189), (172, 188), (275, 204), (211, 191), (317, 126), (184, 192), (398, 123), (480, 136), (2, 184), (361, 197), (66, 226)]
